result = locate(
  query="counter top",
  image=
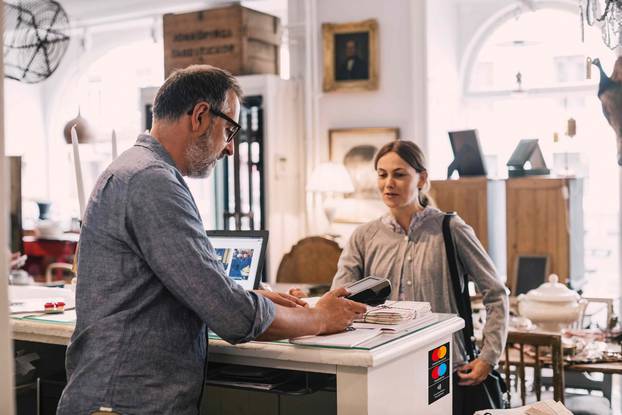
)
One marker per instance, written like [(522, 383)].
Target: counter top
[(35, 331), (60, 334)]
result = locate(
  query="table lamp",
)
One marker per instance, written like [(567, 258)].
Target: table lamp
[(330, 179)]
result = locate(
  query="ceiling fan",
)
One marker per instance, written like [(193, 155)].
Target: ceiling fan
[(36, 37)]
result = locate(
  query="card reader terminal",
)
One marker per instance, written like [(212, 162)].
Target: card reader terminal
[(371, 290)]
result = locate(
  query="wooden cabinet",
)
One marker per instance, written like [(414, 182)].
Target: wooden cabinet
[(468, 198), (522, 216), (545, 217), (481, 203)]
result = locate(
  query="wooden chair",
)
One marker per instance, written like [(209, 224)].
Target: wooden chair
[(516, 354), (312, 260), (61, 269)]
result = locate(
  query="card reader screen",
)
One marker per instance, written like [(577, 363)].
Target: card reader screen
[(362, 285)]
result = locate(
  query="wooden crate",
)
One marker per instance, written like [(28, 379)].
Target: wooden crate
[(240, 40)]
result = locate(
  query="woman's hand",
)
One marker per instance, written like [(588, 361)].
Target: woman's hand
[(283, 299), (473, 373)]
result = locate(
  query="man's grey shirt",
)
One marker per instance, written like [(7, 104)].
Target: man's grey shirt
[(148, 284)]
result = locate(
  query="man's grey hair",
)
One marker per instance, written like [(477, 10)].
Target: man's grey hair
[(185, 88)]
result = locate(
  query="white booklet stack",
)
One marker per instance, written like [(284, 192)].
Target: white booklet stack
[(389, 318), (396, 312)]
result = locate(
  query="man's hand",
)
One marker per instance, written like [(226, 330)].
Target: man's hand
[(297, 292), (474, 373), (283, 299), (335, 312)]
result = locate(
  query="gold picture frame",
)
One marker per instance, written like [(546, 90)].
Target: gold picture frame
[(350, 56)]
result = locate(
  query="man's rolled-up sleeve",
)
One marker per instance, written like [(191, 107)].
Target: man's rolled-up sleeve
[(165, 225)]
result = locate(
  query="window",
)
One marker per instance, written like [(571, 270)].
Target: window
[(107, 93), (527, 80)]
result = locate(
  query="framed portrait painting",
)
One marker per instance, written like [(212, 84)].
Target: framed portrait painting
[(350, 56), (356, 149)]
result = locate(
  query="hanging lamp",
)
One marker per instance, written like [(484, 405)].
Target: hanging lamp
[(84, 130)]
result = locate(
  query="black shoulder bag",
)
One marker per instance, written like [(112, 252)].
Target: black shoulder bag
[(490, 394)]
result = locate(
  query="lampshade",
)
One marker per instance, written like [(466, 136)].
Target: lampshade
[(85, 133), (330, 177)]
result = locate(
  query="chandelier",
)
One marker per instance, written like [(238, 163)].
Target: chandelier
[(608, 15)]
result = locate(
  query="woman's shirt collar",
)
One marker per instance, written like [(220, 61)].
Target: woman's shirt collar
[(416, 221)]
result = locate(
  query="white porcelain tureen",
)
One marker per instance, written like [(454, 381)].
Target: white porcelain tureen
[(552, 306)]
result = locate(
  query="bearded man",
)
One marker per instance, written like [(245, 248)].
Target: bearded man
[(150, 282)]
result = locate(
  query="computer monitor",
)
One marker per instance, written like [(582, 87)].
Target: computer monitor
[(531, 272), (468, 159), (242, 254)]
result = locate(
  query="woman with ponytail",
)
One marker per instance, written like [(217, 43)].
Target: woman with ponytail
[(406, 246)]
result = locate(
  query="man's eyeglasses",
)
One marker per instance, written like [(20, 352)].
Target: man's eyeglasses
[(232, 130)]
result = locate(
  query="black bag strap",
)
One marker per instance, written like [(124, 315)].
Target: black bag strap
[(463, 300)]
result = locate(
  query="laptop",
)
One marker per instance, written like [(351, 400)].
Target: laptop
[(242, 254)]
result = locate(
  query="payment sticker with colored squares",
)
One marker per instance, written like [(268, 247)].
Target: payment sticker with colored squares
[(438, 373)]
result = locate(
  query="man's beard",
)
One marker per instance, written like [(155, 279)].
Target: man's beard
[(201, 156)]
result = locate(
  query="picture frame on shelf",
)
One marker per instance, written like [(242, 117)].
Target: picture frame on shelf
[(356, 149), (350, 56)]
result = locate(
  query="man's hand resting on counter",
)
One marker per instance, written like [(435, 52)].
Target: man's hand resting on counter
[(283, 299), (337, 312), (298, 292), (331, 314)]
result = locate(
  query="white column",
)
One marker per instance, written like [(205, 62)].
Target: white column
[(304, 36), (6, 349), (419, 69)]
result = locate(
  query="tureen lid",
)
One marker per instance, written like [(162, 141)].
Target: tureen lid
[(553, 291)]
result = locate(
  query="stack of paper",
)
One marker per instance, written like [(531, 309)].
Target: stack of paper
[(32, 299), (548, 407), (350, 338), (396, 312), (392, 317), (417, 323)]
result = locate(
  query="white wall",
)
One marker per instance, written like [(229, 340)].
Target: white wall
[(422, 46), (400, 100), (443, 82), (25, 135), (392, 104), (36, 114)]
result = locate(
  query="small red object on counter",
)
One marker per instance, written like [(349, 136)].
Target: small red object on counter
[(54, 308)]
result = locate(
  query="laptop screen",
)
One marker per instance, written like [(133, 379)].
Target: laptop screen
[(242, 254)]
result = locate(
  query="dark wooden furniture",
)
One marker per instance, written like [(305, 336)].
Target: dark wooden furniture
[(536, 350), (312, 260)]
